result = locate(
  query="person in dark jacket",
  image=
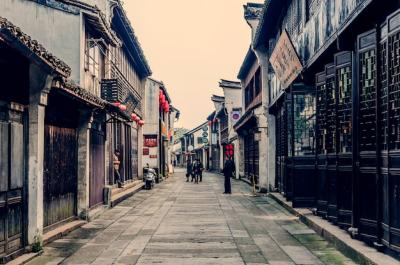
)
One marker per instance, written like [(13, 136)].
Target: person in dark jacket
[(189, 169), (198, 170), (228, 170)]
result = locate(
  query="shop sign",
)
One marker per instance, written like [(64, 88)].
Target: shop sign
[(153, 156), (285, 62), (205, 134), (205, 140), (205, 128), (150, 140), (146, 151)]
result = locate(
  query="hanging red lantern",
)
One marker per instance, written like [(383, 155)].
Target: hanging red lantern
[(122, 107), (141, 122), (117, 104), (133, 116)]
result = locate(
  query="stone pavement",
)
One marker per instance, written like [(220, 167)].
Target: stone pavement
[(186, 223)]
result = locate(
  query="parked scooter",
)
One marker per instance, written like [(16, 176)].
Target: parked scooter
[(149, 178)]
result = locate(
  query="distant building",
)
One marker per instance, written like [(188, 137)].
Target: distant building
[(158, 132)]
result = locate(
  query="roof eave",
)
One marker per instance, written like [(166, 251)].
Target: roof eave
[(248, 61)]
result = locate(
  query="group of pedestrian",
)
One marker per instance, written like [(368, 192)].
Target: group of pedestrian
[(194, 169)]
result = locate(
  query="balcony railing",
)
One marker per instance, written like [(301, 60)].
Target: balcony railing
[(256, 101), (118, 89)]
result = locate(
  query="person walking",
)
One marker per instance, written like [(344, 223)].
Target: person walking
[(117, 162), (228, 170), (200, 170), (193, 170), (189, 169)]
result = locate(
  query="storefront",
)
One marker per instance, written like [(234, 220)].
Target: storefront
[(338, 130)]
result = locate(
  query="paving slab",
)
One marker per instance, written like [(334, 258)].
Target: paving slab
[(181, 223)]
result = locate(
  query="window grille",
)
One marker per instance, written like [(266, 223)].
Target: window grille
[(331, 100), (394, 90), (321, 112), (367, 91), (343, 62), (383, 98)]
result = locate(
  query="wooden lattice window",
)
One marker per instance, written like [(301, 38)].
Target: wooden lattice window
[(303, 123), (394, 90), (343, 64), (321, 112), (367, 91), (383, 98), (331, 115)]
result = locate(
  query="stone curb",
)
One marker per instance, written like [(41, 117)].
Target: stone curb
[(352, 248), (61, 231), (126, 194), (24, 258)]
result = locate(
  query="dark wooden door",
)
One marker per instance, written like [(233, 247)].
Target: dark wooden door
[(393, 124), (97, 171), (135, 154), (12, 214), (303, 145), (281, 149), (60, 174), (321, 135), (345, 86), (331, 139), (366, 158)]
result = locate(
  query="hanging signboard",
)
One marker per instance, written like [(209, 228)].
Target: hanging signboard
[(150, 141), (235, 115), (146, 151), (285, 62)]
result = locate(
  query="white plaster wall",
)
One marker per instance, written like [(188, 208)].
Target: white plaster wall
[(233, 99), (198, 133), (151, 108), (58, 31)]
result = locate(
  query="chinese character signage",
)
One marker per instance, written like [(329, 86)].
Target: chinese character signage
[(150, 140), (146, 151), (285, 62)]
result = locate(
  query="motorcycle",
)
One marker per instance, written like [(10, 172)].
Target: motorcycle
[(149, 178)]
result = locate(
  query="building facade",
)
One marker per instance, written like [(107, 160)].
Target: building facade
[(196, 144), (229, 113), (67, 116), (333, 112), (252, 126), (158, 132)]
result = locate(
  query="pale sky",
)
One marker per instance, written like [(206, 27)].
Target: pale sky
[(190, 46)]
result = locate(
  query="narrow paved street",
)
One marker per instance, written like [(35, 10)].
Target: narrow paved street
[(184, 223)]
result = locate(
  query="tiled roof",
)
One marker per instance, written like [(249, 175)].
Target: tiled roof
[(78, 92), (9, 30), (230, 84)]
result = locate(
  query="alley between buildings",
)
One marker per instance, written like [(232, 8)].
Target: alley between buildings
[(183, 223)]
